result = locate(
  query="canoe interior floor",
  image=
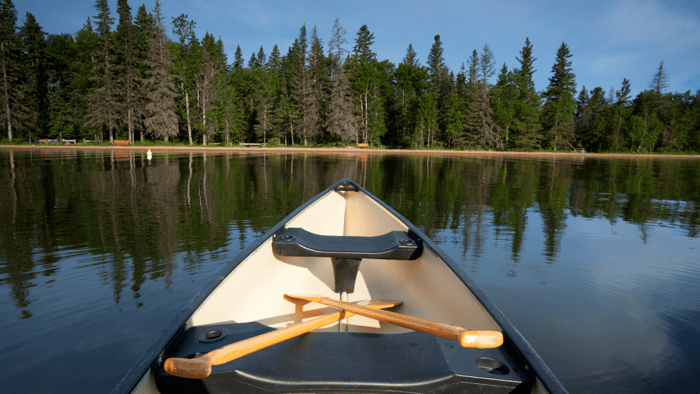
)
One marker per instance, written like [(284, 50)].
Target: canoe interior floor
[(410, 362)]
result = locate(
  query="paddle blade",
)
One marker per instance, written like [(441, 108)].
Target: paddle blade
[(481, 339), (187, 368), (302, 299)]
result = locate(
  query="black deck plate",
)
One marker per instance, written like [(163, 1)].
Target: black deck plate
[(401, 363)]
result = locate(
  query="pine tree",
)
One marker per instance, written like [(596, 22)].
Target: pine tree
[(487, 135), (317, 79), (560, 104), (238, 58), (87, 46), (102, 101), (583, 118), (438, 75), (503, 99), (436, 62), (340, 121), (660, 81), (63, 100), (620, 111), (300, 64), (526, 128), (33, 52), (365, 78), (263, 97), (427, 121), (471, 116), (127, 69), (213, 63), (452, 120), (187, 66), (9, 60), (161, 119), (411, 58), (411, 81)]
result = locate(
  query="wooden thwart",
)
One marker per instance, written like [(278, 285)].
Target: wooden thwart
[(470, 339), (200, 367)]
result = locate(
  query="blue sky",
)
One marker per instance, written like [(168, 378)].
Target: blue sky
[(609, 40)]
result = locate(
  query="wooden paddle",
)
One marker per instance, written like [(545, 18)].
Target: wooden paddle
[(200, 367), (470, 339)]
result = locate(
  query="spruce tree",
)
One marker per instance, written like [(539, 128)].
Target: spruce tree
[(128, 66), (87, 47), (364, 77), (503, 99), (472, 99), (300, 64), (33, 52), (63, 103), (238, 58), (560, 104), (340, 121), (583, 118), (620, 112), (436, 61), (427, 121), (411, 58), (660, 81), (314, 94), (487, 135), (102, 99), (10, 96), (526, 128), (187, 66), (438, 74), (213, 63), (161, 119)]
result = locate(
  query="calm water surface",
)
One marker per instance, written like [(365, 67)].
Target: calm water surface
[(596, 262)]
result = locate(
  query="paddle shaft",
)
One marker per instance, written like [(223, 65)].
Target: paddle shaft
[(472, 339), (200, 367)]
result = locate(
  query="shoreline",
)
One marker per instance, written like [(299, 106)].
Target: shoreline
[(353, 150)]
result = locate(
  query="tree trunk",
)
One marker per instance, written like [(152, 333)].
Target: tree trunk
[(366, 116), (641, 141), (130, 120), (7, 95), (189, 121)]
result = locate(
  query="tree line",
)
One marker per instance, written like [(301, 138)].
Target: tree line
[(126, 79)]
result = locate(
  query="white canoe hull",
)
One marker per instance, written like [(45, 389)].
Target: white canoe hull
[(252, 287)]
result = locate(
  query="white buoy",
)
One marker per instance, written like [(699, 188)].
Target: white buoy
[(149, 155)]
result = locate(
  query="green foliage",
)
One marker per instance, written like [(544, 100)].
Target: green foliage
[(131, 81), (560, 105)]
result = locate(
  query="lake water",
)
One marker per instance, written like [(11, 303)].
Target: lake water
[(595, 261)]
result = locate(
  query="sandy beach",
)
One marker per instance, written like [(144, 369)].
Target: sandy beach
[(347, 150)]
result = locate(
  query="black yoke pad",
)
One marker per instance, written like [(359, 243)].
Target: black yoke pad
[(411, 362), (394, 245)]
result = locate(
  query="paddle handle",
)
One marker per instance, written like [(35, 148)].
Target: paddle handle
[(200, 367), (470, 339)]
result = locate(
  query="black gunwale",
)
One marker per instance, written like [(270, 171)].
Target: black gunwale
[(546, 376), (175, 326)]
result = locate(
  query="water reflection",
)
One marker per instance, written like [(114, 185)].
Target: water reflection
[(608, 246), (140, 212)]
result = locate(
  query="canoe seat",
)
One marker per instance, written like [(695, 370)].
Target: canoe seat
[(394, 245), (346, 252), (411, 362)]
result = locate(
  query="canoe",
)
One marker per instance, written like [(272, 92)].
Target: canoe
[(308, 307)]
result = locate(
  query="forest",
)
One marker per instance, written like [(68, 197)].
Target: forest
[(122, 77)]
